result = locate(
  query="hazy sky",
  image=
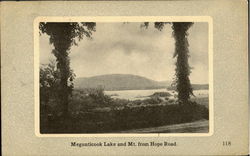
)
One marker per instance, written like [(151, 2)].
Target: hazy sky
[(118, 48)]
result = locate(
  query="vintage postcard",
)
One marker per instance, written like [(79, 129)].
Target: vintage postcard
[(89, 78)]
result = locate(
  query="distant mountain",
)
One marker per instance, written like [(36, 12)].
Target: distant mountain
[(194, 86), (120, 82)]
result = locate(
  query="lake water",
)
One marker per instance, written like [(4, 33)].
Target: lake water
[(142, 94)]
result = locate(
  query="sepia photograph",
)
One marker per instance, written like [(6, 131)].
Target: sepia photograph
[(123, 77)]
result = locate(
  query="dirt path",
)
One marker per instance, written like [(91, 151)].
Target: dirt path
[(200, 126)]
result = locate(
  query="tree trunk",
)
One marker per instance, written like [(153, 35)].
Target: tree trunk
[(64, 96), (63, 66), (183, 85)]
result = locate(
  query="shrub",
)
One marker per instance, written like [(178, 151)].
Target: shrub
[(152, 100), (135, 117), (161, 94)]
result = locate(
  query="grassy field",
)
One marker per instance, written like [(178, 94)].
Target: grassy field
[(200, 126), (91, 111)]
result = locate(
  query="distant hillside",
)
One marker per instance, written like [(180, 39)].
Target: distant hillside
[(194, 86), (120, 82)]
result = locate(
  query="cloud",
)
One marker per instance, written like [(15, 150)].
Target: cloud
[(129, 49)]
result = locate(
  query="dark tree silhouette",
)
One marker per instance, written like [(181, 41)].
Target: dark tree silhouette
[(182, 70), (63, 36), (48, 84)]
